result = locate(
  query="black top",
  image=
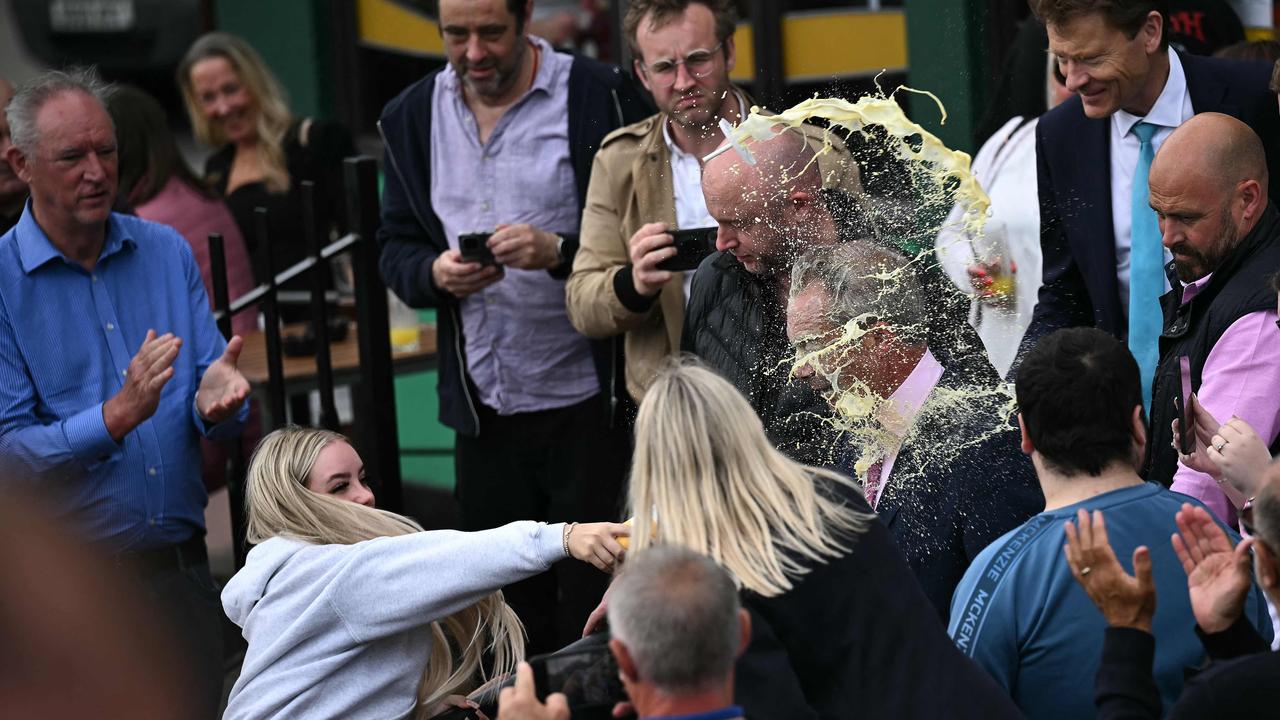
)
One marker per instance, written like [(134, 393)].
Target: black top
[(857, 637), (318, 159), (1240, 682)]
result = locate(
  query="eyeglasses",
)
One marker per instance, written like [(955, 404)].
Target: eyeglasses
[(699, 63)]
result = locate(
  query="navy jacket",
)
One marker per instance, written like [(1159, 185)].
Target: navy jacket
[(411, 237), (1073, 158), (957, 484)]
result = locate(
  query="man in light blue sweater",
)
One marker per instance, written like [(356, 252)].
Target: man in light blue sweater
[(1018, 612)]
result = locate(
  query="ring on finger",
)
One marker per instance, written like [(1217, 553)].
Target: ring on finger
[(1221, 444), (1085, 570)]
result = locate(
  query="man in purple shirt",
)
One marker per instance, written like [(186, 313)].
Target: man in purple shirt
[(489, 145), (1209, 191)]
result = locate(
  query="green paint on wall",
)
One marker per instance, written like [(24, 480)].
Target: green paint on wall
[(947, 57), (294, 40)]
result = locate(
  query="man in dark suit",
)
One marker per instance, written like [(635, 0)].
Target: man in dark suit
[(1093, 152), (933, 448)]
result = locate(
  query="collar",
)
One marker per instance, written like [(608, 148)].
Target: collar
[(1193, 288), (733, 712), (35, 249), (543, 77), (1167, 111), (898, 413), (674, 149)]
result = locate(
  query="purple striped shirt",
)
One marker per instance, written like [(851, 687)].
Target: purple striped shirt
[(522, 353)]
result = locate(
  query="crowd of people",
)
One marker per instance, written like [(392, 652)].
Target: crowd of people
[(841, 496)]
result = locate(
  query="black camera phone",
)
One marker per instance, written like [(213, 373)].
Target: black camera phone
[(1186, 419), (585, 672), (692, 247), (474, 247)]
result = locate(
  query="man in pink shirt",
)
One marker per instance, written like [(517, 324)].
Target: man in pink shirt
[(1209, 190)]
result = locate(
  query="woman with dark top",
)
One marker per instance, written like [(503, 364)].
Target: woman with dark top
[(840, 627), (265, 153)]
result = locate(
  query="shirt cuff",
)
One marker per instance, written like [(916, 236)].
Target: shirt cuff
[(225, 429), (87, 436), (1239, 639), (627, 295)]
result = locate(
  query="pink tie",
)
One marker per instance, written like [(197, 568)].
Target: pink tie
[(871, 485)]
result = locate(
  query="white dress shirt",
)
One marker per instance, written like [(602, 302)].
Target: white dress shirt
[(686, 179), (1171, 109)]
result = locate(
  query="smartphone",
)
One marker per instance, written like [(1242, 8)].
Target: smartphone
[(1186, 419), (692, 247), (474, 247), (588, 676)]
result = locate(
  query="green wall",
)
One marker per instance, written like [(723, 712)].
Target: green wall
[(947, 56), (294, 39)]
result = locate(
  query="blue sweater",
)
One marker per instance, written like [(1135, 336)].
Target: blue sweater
[(1021, 615)]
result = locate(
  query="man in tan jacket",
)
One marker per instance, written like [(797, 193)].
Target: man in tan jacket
[(646, 180)]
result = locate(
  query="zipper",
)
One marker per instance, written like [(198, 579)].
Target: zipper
[(453, 312)]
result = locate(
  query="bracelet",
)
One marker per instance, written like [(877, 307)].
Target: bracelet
[(568, 530)]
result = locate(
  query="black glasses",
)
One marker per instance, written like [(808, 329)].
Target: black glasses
[(699, 63)]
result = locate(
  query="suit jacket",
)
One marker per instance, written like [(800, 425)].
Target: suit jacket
[(1073, 159), (959, 482)]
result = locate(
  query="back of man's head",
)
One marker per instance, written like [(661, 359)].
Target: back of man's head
[(677, 614), (1077, 390), (861, 277)]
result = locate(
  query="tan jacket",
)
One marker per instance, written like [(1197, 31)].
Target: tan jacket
[(630, 186)]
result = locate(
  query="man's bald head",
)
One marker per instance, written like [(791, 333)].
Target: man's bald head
[(1209, 188), (767, 209), (1218, 148)]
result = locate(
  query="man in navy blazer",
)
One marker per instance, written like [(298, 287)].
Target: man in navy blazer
[(929, 439), (1117, 61)]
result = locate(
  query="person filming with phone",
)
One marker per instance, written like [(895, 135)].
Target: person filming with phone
[(678, 627), (487, 165), (1209, 191)]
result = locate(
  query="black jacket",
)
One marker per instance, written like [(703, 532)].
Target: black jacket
[(1077, 239), (959, 482), (856, 637), (1240, 682), (601, 99), (736, 324), (1241, 285)]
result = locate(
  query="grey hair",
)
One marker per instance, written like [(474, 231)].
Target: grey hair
[(860, 277), (676, 611), (33, 94)]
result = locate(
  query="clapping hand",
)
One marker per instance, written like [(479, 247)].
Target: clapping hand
[(1218, 576), (1125, 600), (223, 388), (149, 370)]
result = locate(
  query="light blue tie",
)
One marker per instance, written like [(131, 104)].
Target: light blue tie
[(1146, 269)]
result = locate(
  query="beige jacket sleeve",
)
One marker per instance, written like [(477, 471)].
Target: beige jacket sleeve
[(593, 306)]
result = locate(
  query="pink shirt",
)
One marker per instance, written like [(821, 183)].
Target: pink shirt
[(195, 216), (899, 414), (1239, 379)]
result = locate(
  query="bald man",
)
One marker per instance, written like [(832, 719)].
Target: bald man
[(13, 192), (1209, 191), (735, 319)]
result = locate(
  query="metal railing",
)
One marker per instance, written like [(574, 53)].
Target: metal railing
[(375, 432)]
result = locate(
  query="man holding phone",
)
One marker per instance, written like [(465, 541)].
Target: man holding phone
[(646, 182), (487, 169), (1209, 190)]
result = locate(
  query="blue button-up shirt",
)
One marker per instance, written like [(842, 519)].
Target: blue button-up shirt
[(522, 353), (66, 338)]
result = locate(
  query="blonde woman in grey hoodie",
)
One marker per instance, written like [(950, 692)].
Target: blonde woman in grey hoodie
[(355, 612)]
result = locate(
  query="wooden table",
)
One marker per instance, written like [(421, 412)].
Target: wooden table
[(300, 371)]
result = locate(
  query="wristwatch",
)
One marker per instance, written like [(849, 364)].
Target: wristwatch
[(559, 248)]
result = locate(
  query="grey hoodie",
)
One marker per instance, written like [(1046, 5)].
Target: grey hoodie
[(341, 631)]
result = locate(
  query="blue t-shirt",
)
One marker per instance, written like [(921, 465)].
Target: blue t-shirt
[(1021, 615)]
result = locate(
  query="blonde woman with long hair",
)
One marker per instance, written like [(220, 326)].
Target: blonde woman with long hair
[(840, 626), (263, 151), (355, 612)]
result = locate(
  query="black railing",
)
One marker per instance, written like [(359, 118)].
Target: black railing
[(375, 408)]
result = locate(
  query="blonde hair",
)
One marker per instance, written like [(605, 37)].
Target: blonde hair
[(279, 504), (705, 476), (269, 98)]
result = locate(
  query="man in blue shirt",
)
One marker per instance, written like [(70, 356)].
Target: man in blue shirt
[(111, 366), (1018, 612)]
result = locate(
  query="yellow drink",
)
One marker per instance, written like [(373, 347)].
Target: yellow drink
[(404, 339)]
